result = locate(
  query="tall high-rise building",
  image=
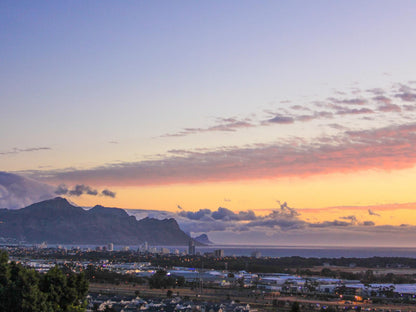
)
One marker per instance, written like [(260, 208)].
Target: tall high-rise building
[(219, 253), (110, 247), (191, 247)]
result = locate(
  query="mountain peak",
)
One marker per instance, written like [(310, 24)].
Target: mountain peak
[(58, 221), (203, 239), (98, 209)]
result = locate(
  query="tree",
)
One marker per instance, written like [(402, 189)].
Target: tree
[(295, 307), (25, 290), (161, 280)]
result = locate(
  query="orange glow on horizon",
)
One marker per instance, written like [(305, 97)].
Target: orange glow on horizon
[(345, 193)]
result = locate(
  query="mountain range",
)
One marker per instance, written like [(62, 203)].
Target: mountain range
[(56, 221)]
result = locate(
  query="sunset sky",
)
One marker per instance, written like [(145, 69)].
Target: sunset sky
[(218, 113)]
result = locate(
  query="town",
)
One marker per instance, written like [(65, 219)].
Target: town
[(160, 278)]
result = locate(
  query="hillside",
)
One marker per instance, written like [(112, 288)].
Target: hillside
[(57, 221)]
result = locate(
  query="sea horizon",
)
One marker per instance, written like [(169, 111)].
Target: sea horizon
[(277, 251)]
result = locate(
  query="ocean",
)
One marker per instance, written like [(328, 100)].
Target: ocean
[(288, 251), (313, 252)]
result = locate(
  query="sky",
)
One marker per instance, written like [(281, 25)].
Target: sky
[(275, 122)]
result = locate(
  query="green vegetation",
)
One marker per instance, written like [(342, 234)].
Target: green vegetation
[(25, 290), (100, 275), (161, 280), (366, 277)]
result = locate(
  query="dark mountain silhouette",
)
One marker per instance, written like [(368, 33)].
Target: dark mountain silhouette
[(57, 221)]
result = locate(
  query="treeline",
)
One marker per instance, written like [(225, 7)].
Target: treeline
[(100, 275), (366, 277), (266, 265), (162, 280), (282, 265), (25, 290)]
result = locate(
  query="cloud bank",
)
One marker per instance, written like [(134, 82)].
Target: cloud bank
[(386, 148), (18, 192), (282, 226)]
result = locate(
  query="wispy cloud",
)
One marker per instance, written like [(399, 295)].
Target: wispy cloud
[(354, 111), (280, 119), (17, 150), (222, 125), (356, 102), (390, 108), (372, 213)]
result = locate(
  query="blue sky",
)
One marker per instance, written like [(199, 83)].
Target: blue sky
[(193, 102)]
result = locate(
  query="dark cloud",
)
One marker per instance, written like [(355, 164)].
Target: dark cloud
[(286, 210), (62, 189), (195, 215), (372, 213), (406, 96), (228, 215), (179, 207), (285, 218), (282, 223), (108, 193), (81, 189), (279, 119), (204, 227), (334, 223), (353, 219)]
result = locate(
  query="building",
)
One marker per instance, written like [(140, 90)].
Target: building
[(191, 247), (110, 247), (164, 251), (219, 253), (256, 254)]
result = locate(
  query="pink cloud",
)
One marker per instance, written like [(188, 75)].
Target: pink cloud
[(386, 148), (390, 108)]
